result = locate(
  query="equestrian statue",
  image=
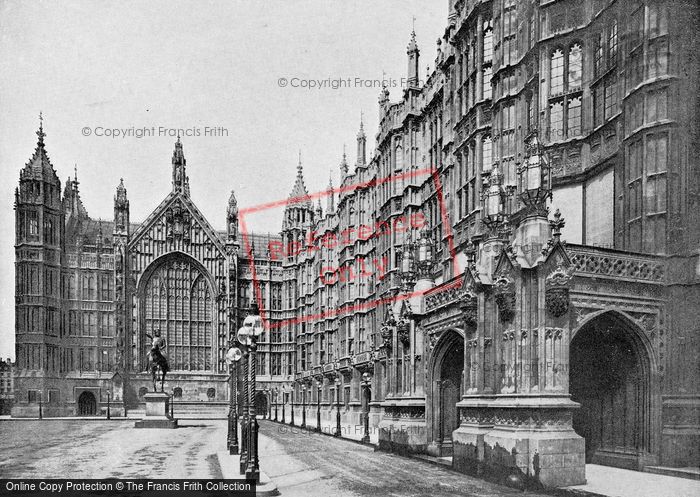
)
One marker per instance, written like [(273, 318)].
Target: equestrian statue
[(157, 360)]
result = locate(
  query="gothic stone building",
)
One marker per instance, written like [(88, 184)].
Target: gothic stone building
[(507, 339), (88, 292)]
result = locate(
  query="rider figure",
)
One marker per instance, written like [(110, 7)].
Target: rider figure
[(157, 346)]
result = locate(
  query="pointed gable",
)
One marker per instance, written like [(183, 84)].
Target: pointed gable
[(39, 167)]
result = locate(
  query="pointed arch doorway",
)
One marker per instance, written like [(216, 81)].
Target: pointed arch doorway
[(87, 404), (447, 368), (611, 377)]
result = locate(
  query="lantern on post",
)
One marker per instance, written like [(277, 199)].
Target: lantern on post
[(426, 254), (408, 265), (535, 174), (493, 198)]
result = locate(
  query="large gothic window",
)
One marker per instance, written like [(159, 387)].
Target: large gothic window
[(177, 300)]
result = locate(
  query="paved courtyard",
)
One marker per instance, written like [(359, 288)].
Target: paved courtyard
[(102, 449), (300, 462)]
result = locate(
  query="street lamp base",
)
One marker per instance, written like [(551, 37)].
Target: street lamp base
[(243, 463), (233, 449), (365, 439), (252, 475)]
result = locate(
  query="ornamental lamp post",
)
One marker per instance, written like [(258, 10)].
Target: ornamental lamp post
[(338, 382), (319, 385), (303, 405), (233, 355), (291, 393), (248, 335), (265, 415), (275, 393), (366, 383), (109, 394), (284, 403)]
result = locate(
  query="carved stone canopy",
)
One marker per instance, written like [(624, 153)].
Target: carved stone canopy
[(504, 291), (403, 328), (469, 305), (557, 291)]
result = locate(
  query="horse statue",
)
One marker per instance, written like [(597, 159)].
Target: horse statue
[(156, 360)]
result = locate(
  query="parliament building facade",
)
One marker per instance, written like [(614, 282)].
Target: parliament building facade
[(545, 315)]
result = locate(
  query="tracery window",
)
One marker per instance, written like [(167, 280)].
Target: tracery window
[(566, 74), (177, 300)]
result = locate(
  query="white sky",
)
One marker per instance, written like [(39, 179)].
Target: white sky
[(191, 65)]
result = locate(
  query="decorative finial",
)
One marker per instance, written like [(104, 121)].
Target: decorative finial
[(299, 165), (557, 224), (41, 133), (75, 172)]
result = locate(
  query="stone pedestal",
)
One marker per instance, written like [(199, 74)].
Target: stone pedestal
[(530, 438), (157, 412), (402, 428)]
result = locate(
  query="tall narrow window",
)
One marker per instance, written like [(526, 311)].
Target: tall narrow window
[(556, 120), (486, 154), (488, 44), (610, 97), (612, 44), (574, 79), (487, 82), (598, 56), (574, 117), (556, 78)]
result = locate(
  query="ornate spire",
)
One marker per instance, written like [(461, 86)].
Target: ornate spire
[(180, 179), (330, 202), (232, 217), (344, 164), (413, 56), (319, 210), (299, 190), (412, 44), (121, 210), (120, 197), (39, 166), (361, 144), (232, 204)]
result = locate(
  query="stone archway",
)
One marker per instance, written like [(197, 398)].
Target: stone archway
[(611, 377), (87, 404), (446, 375)]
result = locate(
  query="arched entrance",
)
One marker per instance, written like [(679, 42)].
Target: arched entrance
[(610, 378), (260, 404), (447, 369), (87, 404)]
